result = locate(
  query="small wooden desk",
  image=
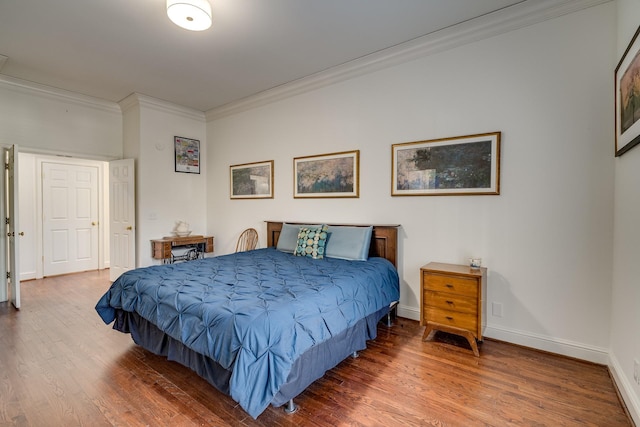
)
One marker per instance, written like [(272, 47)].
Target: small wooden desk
[(196, 247)]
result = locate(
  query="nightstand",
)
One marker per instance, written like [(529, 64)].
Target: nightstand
[(452, 300)]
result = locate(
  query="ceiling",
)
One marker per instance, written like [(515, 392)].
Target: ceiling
[(110, 49)]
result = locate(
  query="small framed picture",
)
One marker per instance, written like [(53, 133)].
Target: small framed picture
[(627, 96), (187, 152), (252, 180), (327, 175), (462, 165)]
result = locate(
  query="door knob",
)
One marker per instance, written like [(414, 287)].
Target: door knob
[(129, 228)]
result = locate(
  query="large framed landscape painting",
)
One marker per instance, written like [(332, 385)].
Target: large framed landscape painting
[(252, 180), (463, 165), (627, 93), (327, 175)]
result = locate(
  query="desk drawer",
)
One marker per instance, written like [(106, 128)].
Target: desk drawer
[(450, 284), (208, 248), (161, 250)]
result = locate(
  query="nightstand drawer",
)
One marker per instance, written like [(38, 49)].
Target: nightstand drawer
[(450, 284), (468, 321), (453, 302)]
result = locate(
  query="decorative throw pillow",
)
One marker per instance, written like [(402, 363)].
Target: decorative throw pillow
[(288, 239), (311, 242)]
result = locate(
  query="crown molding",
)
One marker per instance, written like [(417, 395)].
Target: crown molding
[(36, 89), (508, 19), (145, 101)]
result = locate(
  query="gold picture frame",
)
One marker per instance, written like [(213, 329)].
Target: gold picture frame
[(327, 175), (462, 165), (251, 180)]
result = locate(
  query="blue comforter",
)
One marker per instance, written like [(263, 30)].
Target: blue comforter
[(254, 312)]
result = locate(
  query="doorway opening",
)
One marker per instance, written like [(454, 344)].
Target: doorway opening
[(64, 215)]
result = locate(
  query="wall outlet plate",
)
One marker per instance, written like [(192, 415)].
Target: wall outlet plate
[(496, 309)]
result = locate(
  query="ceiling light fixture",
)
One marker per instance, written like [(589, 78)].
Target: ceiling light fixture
[(194, 15)]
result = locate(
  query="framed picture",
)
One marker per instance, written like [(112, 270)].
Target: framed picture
[(463, 165), (187, 155), (252, 180), (327, 175), (627, 96)]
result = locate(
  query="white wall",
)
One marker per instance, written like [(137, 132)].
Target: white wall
[(625, 323), (46, 120), (52, 120), (547, 239), (163, 196)]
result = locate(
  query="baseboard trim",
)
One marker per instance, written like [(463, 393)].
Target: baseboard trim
[(408, 312), (541, 342), (551, 344), (625, 388), (27, 276)]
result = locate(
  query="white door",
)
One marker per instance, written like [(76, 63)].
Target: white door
[(70, 218), (13, 232), (122, 215)]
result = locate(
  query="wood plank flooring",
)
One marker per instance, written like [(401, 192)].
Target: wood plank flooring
[(60, 365)]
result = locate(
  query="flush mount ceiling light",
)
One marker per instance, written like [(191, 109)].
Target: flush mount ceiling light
[(194, 15)]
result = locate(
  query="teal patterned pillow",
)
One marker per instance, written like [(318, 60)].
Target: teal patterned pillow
[(311, 242)]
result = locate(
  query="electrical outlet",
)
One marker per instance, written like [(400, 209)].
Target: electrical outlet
[(636, 371), (496, 309)]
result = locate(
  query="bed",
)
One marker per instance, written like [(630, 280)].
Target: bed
[(262, 325)]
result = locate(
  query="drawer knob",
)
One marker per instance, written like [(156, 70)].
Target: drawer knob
[(449, 318), (449, 285), (449, 302)]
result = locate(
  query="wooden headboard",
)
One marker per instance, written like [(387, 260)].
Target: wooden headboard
[(384, 239)]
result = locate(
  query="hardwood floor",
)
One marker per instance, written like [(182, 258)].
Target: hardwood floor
[(60, 365)]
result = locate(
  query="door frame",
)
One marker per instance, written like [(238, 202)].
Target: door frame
[(103, 207), (4, 243)]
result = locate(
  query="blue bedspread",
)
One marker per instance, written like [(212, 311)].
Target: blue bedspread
[(254, 312)]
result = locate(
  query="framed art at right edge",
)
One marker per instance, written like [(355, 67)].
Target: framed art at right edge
[(627, 96)]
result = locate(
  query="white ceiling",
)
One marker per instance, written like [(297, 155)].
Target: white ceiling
[(112, 48)]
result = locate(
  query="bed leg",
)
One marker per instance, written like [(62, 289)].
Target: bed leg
[(393, 311), (290, 407), (389, 322)]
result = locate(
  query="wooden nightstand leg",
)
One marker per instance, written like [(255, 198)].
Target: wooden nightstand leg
[(428, 332), (432, 327), (472, 342)]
